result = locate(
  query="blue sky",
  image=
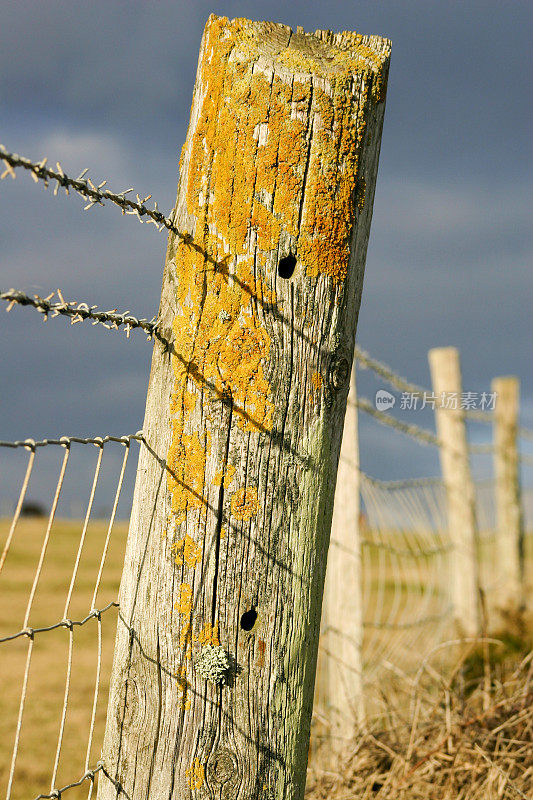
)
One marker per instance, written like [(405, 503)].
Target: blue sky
[(108, 85)]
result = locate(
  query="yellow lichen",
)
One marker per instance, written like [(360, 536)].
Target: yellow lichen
[(209, 634), (244, 503), (186, 550), (196, 775), (183, 604), (316, 380), (227, 476)]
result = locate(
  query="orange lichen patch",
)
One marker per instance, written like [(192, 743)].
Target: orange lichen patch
[(209, 634), (186, 469), (227, 476), (187, 639), (186, 550), (183, 604), (196, 775), (222, 533), (183, 686), (317, 380), (244, 503)]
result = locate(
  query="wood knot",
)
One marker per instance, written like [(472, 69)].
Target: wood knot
[(222, 767), (339, 372)]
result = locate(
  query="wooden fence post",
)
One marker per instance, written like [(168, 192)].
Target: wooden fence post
[(509, 520), (461, 503), (212, 683), (340, 657)]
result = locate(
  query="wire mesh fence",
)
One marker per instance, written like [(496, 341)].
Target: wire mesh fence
[(59, 586)]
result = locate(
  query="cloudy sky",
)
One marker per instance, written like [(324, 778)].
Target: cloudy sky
[(108, 85)]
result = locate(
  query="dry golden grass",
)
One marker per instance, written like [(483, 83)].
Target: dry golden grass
[(468, 736), (42, 715)]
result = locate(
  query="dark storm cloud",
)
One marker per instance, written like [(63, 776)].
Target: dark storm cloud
[(108, 85)]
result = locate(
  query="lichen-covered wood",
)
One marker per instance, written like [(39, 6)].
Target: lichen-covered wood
[(234, 493)]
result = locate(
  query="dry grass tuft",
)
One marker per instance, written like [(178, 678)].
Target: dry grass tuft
[(460, 738)]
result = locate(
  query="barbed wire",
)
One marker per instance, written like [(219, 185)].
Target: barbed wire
[(87, 189), (421, 434), (64, 623), (78, 312), (368, 362), (65, 441), (88, 776)]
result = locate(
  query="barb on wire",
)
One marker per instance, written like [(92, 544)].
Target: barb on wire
[(31, 444), (89, 776), (82, 311), (366, 361), (87, 189), (64, 623), (420, 434)]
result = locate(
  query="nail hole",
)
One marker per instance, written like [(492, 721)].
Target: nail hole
[(248, 619), (286, 266)]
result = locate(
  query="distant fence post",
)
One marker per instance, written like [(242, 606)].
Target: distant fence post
[(461, 509), (212, 683), (342, 697), (509, 520)]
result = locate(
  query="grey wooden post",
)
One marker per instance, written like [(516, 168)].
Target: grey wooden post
[(455, 463), (509, 520), (212, 684)]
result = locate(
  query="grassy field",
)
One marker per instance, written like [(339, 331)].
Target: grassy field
[(46, 686)]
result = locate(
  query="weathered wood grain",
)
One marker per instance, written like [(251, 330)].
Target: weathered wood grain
[(234, 492)]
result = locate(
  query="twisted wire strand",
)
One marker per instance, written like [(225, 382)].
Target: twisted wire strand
[(88, 776), (31, 444), (64, 623), (420, 434), (366, 361), (78, 312), (86, 188)]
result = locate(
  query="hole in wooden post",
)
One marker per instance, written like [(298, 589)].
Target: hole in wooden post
[(248, 619), (286, 266)]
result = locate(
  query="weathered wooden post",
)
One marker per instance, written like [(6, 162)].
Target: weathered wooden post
[(461, 503), (340, 657), (509, 520), (212, 684)]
